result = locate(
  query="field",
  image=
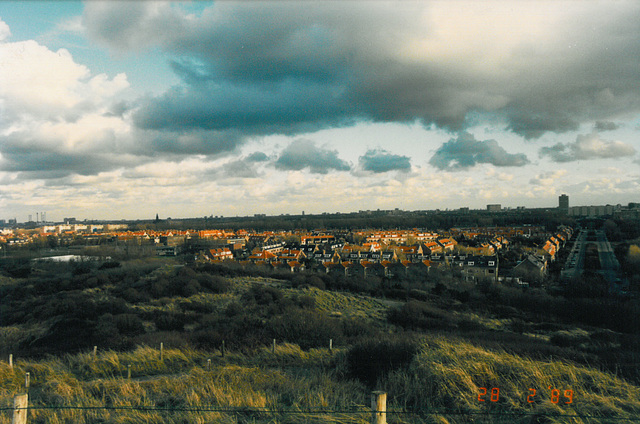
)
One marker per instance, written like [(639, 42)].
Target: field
[(443, 352), (441, 381)]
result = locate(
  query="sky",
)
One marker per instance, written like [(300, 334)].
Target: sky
[(125, 110)]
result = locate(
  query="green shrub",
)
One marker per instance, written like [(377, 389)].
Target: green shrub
[(129, 324), (169, 321), (214, 283), (568, 339), (263, 295), (420, 315), (109, 265), (306, 328), (371, 359)]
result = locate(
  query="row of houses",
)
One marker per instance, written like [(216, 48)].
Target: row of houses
[(341, 252), (350, 261), (553, 244), (534, 267), (527, 231), (374, 258), (472, 268)]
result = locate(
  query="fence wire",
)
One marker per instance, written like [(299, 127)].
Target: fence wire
[(357, 411)]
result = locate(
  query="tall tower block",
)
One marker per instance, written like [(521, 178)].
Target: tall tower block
[(563, 203)]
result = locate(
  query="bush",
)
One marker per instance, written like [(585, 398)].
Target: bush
[(129, 324), (80, 268), (109, 265), (234, 309), (306, 302), (357, 327), (568, 339), (190, 288), (415, 314), (16, 268), (305, 328), (263, 295), (160, 288), (66, 335), (169, 321), (315, 281), (372, 359), (214, 283), (207, 339)]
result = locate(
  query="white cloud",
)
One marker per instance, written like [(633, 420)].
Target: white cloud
[(39, 81), (44, 84), (5, 32), (547, 179), (54, 121), (588, 147), (73, 25)]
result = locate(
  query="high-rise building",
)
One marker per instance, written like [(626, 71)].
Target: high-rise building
[(494, 208), (563, 203)]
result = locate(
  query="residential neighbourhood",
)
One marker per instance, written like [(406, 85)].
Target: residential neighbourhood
[(519, 254)]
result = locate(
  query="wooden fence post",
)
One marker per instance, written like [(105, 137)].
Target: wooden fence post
[(330, 345), (128, 372), (95, 352), (378, 408), (208, 364), (27, 381), (161, 351), (11, 360), (273, 348), (20, 405), (222, 349)]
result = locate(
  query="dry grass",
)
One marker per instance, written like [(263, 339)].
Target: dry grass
[(347, 304), (445, 375), (450, 374), (290, 379)]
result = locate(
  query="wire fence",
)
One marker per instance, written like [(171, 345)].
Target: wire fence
[(364, 413), (358, 414)]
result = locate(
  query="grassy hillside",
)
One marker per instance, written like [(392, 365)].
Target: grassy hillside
[(433, 345), (439, 382)]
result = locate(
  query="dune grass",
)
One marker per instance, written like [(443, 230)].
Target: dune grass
[(244, 387), (347, 304), (449, 375), (442, 380)]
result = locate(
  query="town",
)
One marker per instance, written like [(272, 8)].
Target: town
[(520, 253), (138, 303)]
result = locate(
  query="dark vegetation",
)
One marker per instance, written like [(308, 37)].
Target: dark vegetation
[(368, 219), (69, 307), (121, 303)]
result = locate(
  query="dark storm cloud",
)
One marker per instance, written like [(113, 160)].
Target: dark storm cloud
[(36, 158), (246, 167), (257, 157), (302, 154), (240, 169), (186, 142), (587, 147), (289, 67), (131, 25), (118, 109), (466, 151), (42, 164), (379, 161), (535, 125), (606, 126), (286, 107)]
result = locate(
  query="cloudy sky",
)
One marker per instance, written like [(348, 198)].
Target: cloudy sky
[(128, 109)]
